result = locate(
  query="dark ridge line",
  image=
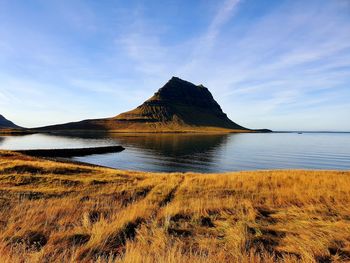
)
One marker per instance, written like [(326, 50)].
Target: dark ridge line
[(71, 152)]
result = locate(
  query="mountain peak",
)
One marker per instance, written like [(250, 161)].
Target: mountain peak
[(174, 78), (176, 82), (178, 106), (180, 91), (182, 102)]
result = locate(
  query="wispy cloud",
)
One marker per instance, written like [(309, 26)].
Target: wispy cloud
[(222, 16), (262, 60), (144, 43), (279, 60), (204, 44)]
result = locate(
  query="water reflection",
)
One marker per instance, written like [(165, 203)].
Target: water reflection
[(202, 153), (44, 141), (164, 152), (174, 145)]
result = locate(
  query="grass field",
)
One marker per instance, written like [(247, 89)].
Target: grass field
[(63, 212)]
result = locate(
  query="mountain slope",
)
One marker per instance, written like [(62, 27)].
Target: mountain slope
[(6, 124), (180, 103), (179, 106)]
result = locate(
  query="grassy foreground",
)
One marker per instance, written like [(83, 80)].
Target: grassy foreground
[(62, 212)]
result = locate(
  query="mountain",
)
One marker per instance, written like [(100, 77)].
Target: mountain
[(6, 124), (179, 106), (180, 103)]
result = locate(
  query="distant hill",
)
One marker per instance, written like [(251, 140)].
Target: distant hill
[(6, 124), (179, 106)]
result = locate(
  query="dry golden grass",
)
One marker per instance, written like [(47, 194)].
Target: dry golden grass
[(63, 212)]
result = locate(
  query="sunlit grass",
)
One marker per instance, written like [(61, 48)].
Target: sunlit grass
[(62, 212)]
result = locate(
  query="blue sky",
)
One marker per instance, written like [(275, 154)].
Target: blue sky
[(283, 65)]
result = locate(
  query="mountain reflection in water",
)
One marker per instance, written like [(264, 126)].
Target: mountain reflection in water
[(202, 152), (165, 152)]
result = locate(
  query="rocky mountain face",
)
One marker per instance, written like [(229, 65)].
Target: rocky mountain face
[(181, 103), (176, 107), (6, 124)]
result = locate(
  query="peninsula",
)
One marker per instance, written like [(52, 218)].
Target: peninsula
[(179, 106)]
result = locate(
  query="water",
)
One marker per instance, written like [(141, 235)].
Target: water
[(203, 153)]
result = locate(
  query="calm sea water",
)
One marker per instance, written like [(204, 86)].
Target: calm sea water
[(203, 153)]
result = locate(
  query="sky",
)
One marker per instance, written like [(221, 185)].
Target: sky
[(277, 64)]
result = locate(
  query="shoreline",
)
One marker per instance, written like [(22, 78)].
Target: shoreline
[(65, 159), (78, 212), (75, 162), (199, 130)]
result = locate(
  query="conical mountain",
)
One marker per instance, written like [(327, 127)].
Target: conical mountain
[(179, 106), (6, 124), (180, 103)]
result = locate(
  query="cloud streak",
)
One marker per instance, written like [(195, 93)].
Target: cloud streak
[(222, 16), (259, 59)]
